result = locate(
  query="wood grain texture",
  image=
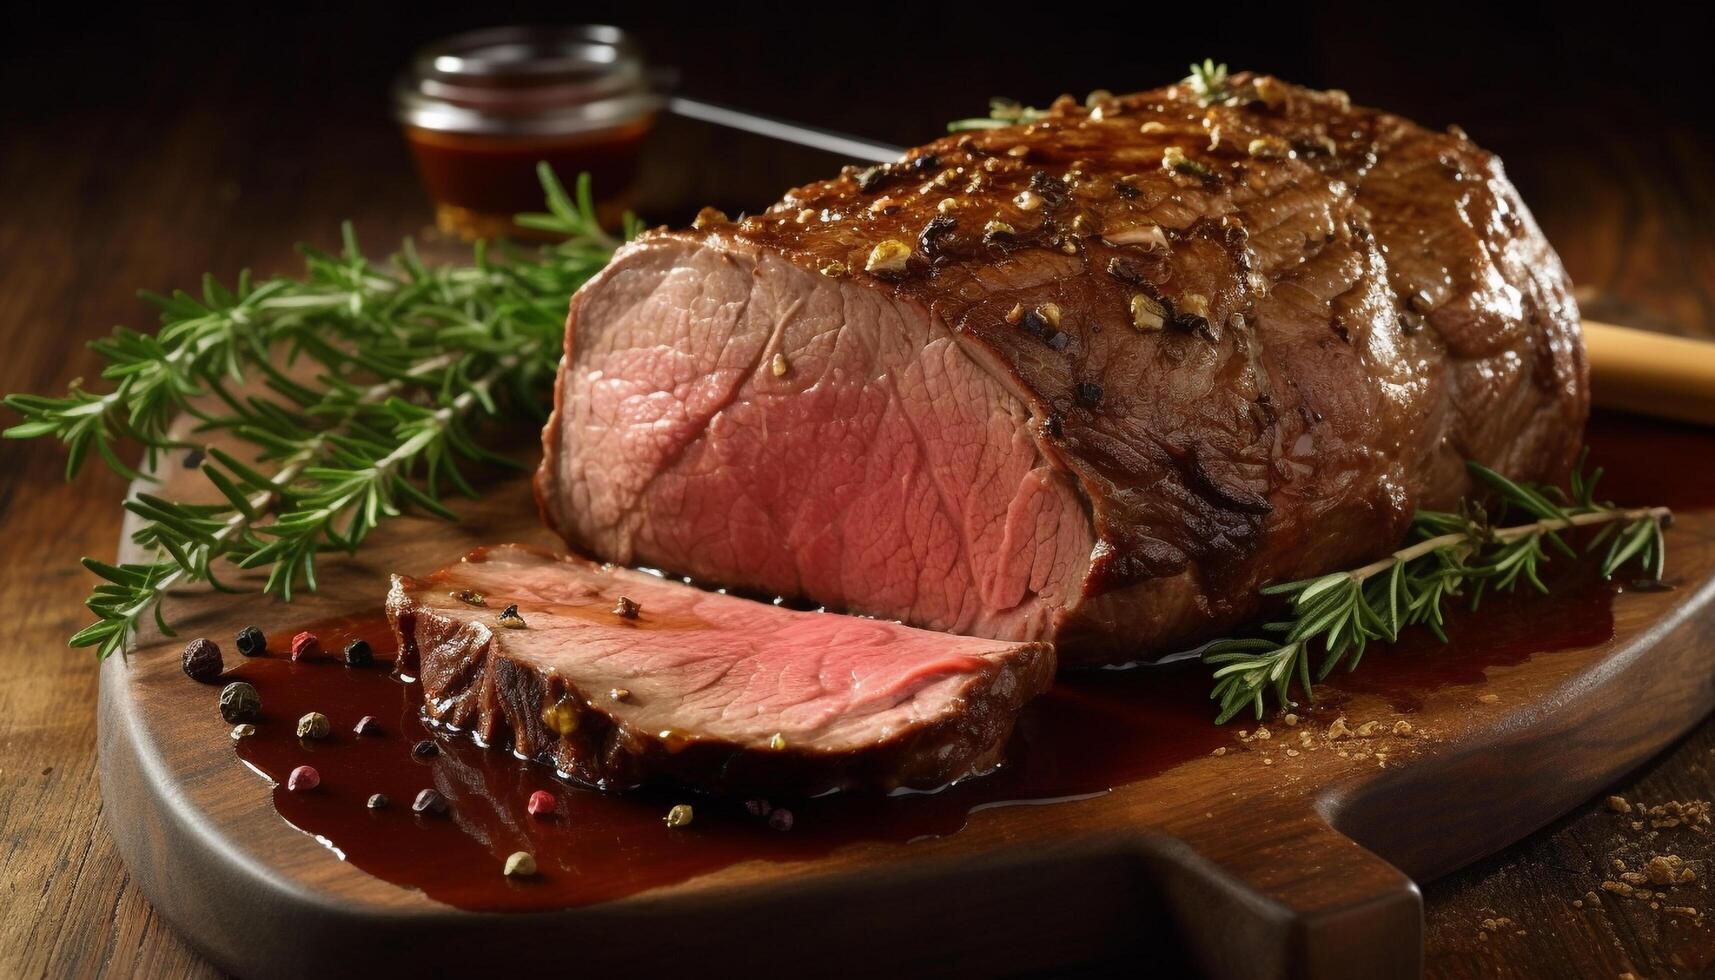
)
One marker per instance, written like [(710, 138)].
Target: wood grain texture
[(160, 167)]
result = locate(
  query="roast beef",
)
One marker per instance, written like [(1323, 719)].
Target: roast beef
[(1093, 379), (698, 687)]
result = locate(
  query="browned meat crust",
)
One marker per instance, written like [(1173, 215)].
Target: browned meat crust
[(1256, 335)]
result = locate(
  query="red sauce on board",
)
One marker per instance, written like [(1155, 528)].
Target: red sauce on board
[(1507, 629), (1650, 462), (600, 846), (1093, 731)]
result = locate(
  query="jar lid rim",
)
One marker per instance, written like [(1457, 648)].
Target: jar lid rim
[(525, 51), (527, 79)]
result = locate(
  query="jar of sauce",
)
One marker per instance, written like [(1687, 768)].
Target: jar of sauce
[(480, 110)]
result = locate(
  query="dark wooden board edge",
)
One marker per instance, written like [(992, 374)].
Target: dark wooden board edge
[(1104, 897), (1669, 684)]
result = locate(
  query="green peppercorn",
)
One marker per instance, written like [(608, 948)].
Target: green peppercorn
[(314, 725), (252, 642), (519, 864), (239, 702)]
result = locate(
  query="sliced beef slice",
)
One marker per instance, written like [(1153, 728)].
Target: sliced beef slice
[(1092, 380), (702, 688)]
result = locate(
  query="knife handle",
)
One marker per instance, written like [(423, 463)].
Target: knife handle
[(1651, 373)]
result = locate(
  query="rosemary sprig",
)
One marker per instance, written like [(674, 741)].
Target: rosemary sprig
[(403, 359), (1002, 112), (1340, 613), (1208, 82)]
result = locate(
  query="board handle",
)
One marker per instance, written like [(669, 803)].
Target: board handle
[(1297, 899)]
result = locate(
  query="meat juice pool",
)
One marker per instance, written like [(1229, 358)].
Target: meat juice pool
[(1093, 731)]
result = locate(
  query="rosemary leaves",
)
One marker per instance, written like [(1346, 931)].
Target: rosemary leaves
[(1208, 82), (1002, 112), (410, 358), (1449, 554)]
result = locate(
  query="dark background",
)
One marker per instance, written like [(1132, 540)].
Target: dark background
[(896, 71), (1574, 99), (140, 147)]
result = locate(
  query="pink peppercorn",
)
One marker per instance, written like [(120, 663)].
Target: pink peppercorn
[(541, 803), (306, 645), (303, 778)]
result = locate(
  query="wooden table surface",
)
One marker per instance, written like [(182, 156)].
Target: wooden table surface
[(155, 168)]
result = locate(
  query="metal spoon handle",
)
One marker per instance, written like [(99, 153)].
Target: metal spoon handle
[(789, 132)]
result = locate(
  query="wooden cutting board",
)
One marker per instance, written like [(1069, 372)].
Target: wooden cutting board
[(1294, 855)]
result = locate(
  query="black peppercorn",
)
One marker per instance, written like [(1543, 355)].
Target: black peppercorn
[(1050, 188), (1088, 393), (1190, 323), (781, 819), (367, 725), (202, 660), (929, 239), (1034, 324), (758, 808), (359, 654), (378, 802), (426, 749), (252, 642), (871, 178), (239, 702), (429, 802)]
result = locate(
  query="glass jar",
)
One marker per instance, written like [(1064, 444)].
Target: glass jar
[(480, 110)]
